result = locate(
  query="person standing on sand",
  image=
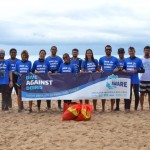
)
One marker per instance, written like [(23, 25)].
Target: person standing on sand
[(66, 67), (108, 63), (90, 65), (134, 66), (54, 62), (145, 77), (41, 66), (22, 67), (5, 80), (76, 61), (13, 60), (121, 60)]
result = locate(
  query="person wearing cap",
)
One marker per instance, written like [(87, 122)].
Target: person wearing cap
[(5, 80), (121, 60), (108, 63), (133, 65), (145, 77), (13, 60), (54, 62)]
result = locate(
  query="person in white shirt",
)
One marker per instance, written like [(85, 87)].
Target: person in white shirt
[(145, 77)]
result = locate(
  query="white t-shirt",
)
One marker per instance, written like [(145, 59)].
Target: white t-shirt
[(146, 75)]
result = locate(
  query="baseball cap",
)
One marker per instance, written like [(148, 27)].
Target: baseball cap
[(121, 50)]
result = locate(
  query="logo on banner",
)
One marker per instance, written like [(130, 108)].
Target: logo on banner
[(113, 82), (110, 80)]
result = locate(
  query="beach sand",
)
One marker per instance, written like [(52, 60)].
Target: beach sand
[(46, 131)]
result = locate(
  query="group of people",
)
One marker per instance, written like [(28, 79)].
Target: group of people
[(12, 69)]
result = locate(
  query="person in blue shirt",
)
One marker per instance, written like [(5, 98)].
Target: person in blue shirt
[(108, 63), (66, 67), (134, 66), (41, 66), (54, 62), (121, 60), (90, 65), (76, 61), (22, 67), (13, 60), (5, 80)]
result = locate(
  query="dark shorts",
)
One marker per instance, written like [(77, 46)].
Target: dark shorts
[(144, 86), (4, 88)]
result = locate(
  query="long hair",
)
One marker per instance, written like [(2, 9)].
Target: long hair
[(86, 58), (25, 52), (66, 55)]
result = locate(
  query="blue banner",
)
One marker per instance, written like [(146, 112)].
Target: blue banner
[(74, 86)]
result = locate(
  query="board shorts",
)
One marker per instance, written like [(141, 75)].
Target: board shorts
[(145, 87)]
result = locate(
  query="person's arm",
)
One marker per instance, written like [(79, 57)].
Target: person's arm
[(60, 69), (33, 68), (100, 65), (117, 66), (11, 79), (49, 68), (141, 67), (83, 67), (100, 68), (97, 66), (141, 70)]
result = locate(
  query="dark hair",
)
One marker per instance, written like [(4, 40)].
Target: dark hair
[(121, 50), (131, 48), (25, 52), (86, 59), (146, 47), (42, 50), (75, 49), (67, 55), (54, 47), (108, 47), (12, 49)]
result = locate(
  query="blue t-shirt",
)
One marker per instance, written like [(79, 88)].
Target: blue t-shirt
[(66, 68), (77, 64), (133, 64), (41, 66), (90, 65), (4, 71), (23, 68), (13, 64), (121, 63), (54, 62), (108, 64)]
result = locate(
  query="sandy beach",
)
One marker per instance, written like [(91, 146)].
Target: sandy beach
[(46, 131)]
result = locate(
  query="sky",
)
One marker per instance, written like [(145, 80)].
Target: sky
[(37, 24)]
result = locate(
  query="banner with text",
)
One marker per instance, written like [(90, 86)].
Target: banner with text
[(74, 86)]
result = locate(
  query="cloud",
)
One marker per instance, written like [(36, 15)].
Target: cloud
[(80, 21)]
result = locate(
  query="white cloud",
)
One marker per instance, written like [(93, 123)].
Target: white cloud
[(45, 21)]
